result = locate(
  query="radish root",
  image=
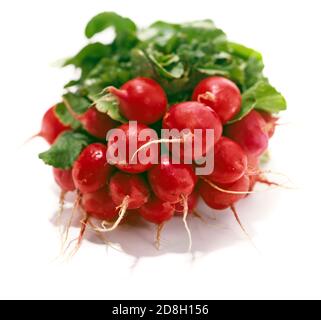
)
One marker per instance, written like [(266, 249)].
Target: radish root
[(80, 238), (185, 204), (160, 228), (224, 190), (123, 209), (31, 138), (61, 205), (68, 226), (199, 216), (61, 211), (237, 218)]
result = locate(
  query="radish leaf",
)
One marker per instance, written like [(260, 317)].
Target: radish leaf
[(64, 152)]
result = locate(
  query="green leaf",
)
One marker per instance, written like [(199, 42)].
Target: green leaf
[(64, 152), (78, 103), (109, 104), (168, 66), (177, 56), (105, 20), (65, 117), (261, 96), (243, 52), (89, 56)]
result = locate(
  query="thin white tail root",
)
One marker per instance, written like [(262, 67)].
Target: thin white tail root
[(122, 213), (237, 218), (68, 226), (160, 228), (80, 237), (185, 204)]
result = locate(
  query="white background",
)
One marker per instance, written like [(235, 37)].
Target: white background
[(284, 224)]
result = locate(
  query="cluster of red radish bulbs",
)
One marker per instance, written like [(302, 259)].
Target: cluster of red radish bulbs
[(157, 192)]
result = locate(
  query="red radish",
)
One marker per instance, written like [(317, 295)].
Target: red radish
[(99, 205), (192, 202), (93, 121), (91, 170), (221, 197), (51, 126), (132, 137), (194, 115), (97, 123), (230, 162), (172, 181), (131, 188), (221, 94), (157, 211), (250, 133), (64, 179), (128, 192), (271, 122), (141, 99)]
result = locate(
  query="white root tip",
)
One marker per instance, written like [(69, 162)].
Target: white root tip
[(185, 203), (242, 227)]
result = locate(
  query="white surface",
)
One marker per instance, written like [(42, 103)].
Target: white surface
[(285, 225)]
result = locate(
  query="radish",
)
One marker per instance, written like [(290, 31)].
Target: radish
[(64, 179), (230, 162), (99, 205), (173, 183), (194, 115), (96, 123), (142, 100), (129, 190), (133, 136), (91, 170), (221, 197), (157, 211), (221, 94), (250, 133), (51, 126)]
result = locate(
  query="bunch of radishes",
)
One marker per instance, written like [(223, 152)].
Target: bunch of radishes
[(157, 192)]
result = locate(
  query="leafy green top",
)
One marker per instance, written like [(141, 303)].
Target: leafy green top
[(177, 56)]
